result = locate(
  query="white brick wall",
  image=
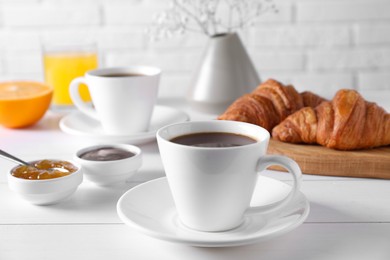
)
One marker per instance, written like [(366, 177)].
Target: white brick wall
[(313, 44), (301, 36), (50, 14), (343, 10)]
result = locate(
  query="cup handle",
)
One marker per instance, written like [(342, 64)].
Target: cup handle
[(292, 167), (77, 101)]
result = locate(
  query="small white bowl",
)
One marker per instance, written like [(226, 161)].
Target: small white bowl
[(107, 173), (48, 191)]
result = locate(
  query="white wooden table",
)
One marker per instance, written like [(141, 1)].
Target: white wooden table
[(349, 218)]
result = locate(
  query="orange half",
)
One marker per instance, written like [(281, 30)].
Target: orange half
[(23, 103)]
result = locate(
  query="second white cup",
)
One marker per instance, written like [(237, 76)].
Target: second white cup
[(123, 98), (212, 169)]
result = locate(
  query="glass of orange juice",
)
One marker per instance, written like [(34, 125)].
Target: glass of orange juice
[(64, 63)]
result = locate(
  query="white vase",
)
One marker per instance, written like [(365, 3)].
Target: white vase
[(224, 74)]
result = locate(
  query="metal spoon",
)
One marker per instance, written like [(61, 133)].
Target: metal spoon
[(21, 162)]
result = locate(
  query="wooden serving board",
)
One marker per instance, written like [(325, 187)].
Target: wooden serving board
[(314, 159)]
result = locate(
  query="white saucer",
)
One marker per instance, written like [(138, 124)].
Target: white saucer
[(79, 124), (149, 208)]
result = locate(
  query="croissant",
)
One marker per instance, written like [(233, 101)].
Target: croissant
[(266, 106), (285, 99), (348, 122), (253, 109), (310, 99)]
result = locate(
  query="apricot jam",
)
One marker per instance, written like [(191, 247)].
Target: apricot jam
[(40, 170)]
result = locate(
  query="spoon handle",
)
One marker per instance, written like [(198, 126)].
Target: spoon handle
[(12, 158)]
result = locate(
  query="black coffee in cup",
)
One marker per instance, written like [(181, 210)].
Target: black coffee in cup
[(213, 139), (124, 74)]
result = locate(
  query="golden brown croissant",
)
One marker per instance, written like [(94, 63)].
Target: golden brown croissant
[(253, 109), (348, 122), (266, 106), (285, 98), (310, 99)]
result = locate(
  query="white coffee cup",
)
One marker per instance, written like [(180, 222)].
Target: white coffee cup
[(212, 187), (123, 98)]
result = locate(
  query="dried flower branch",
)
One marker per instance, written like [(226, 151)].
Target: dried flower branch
[(209, 17)]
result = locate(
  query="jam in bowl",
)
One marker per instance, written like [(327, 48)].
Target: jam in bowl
[(46, 181), (44, 169)]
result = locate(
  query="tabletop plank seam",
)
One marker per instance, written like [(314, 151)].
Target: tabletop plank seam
[(117, 224), (60, 224)]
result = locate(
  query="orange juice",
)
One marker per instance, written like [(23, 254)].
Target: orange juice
[(62, 67)]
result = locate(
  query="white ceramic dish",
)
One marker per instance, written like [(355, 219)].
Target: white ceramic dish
[(49, 191), (139, 209), (107, 173), (78, 124)]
